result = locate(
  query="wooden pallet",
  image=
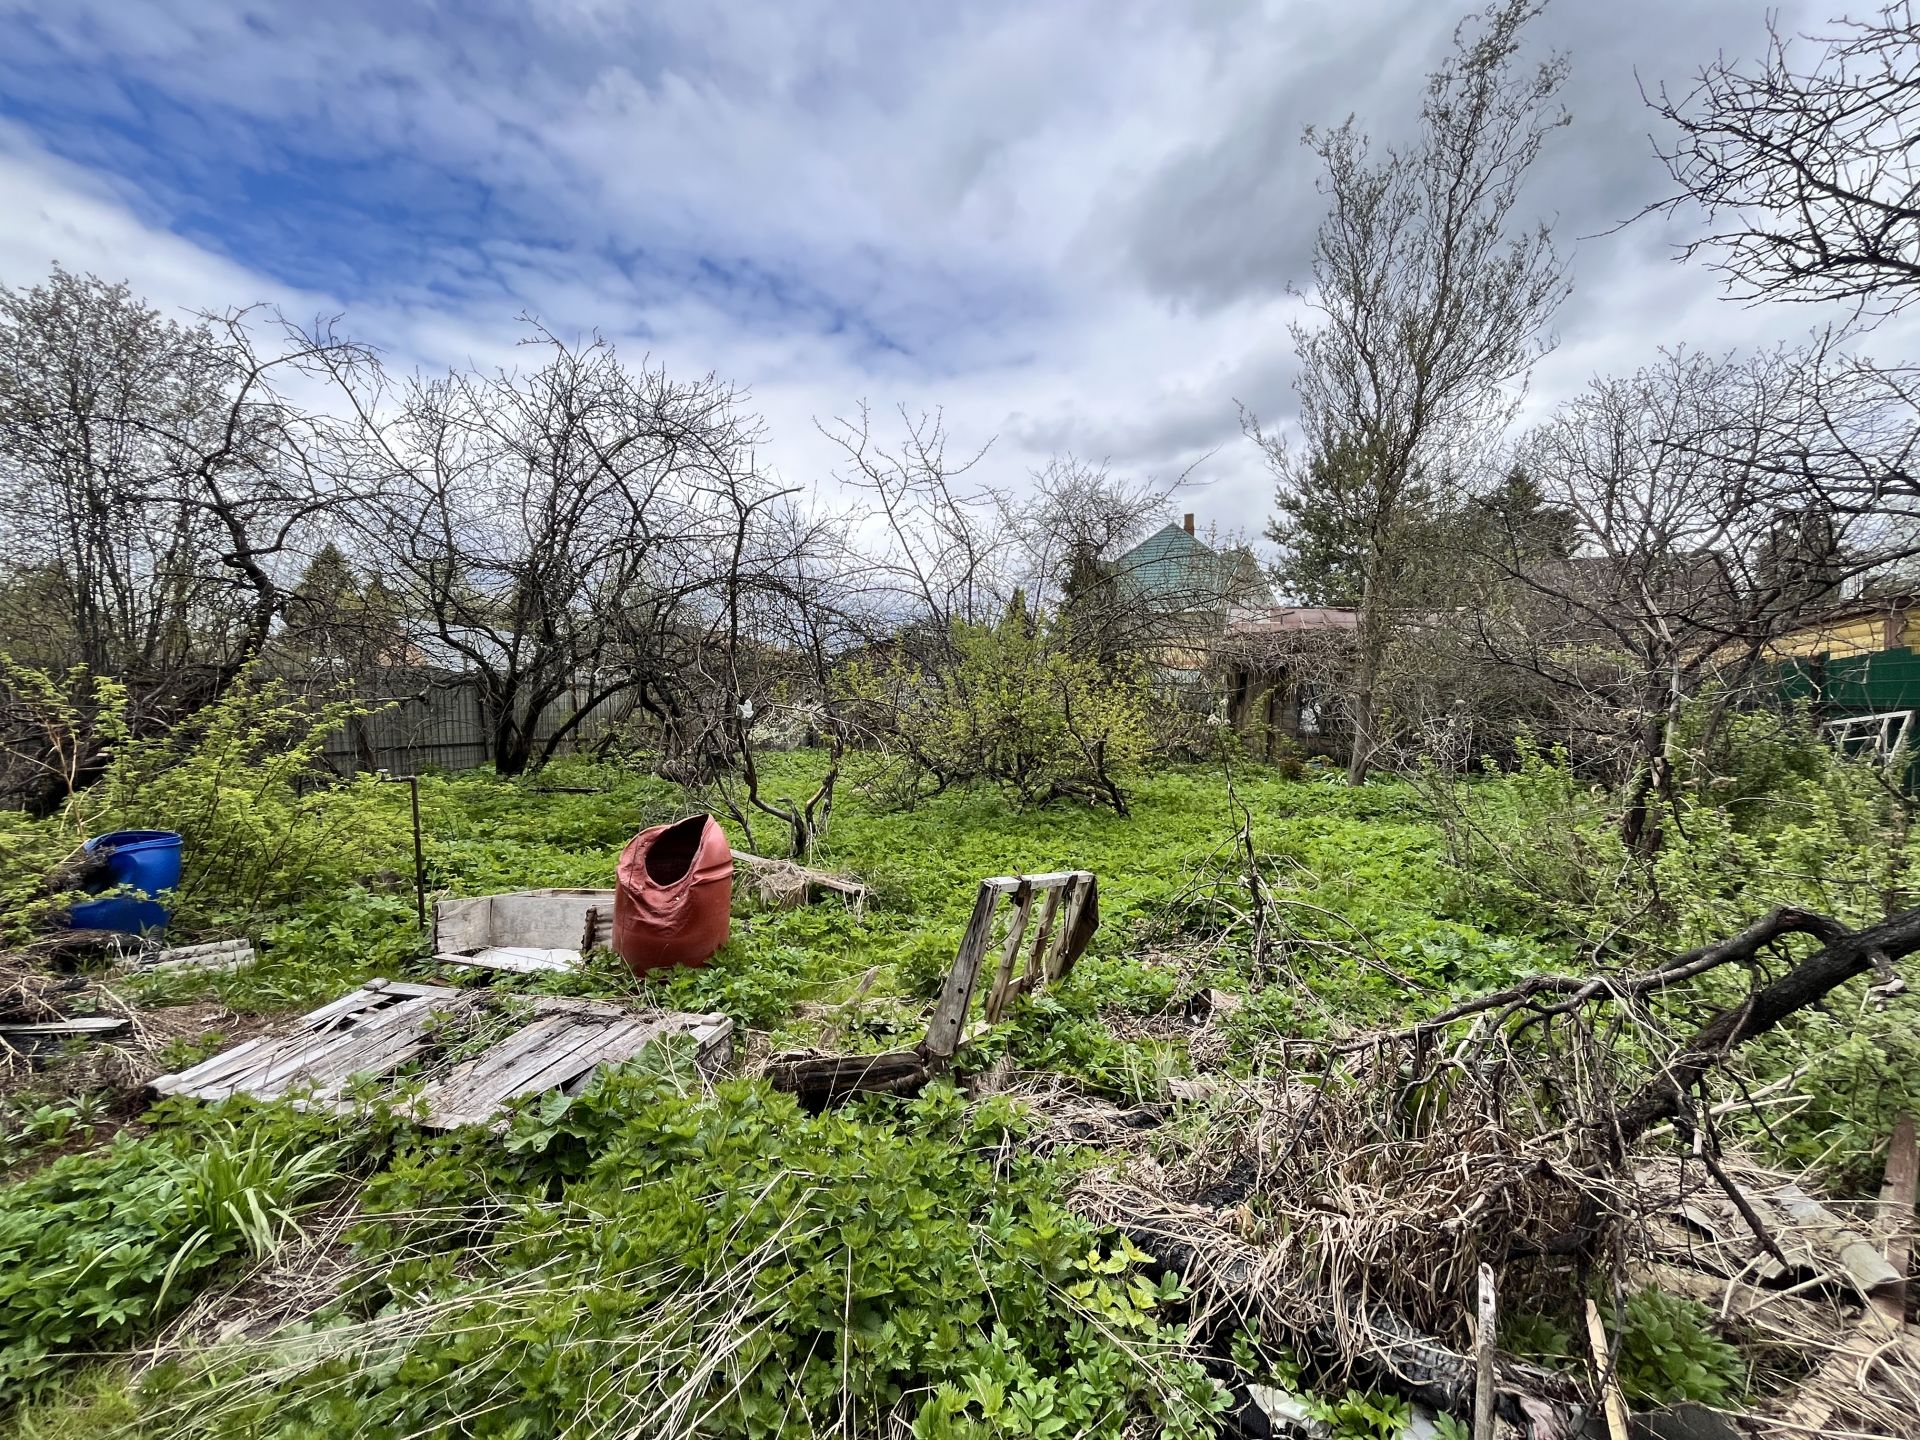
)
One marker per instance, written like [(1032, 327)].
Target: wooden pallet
[(1066, 904), (372, 1032)]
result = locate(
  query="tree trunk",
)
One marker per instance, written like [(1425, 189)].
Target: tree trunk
[(1648, 788), (1366, 673)]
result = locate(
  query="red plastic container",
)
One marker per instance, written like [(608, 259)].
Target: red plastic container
[(674, 895)]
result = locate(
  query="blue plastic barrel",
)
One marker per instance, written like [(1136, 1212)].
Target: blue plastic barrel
[(146, 860)]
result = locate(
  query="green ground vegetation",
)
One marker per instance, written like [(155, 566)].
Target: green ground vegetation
[(653, 1257)]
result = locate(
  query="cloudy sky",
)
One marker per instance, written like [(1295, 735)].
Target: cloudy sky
[(1073, 224)]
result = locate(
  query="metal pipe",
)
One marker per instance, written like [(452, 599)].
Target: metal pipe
[(412, 782)]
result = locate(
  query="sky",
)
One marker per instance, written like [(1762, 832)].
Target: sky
[(1079, 226)]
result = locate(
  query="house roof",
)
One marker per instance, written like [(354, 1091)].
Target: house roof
[(1171, 567), (1285, 619)]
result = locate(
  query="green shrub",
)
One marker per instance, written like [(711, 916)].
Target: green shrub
[(1006, 704), (1667, 1352), (261, 826)]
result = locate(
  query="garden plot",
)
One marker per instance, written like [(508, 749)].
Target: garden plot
[(383, 1028)]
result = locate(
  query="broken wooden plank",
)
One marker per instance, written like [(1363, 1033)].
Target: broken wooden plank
[(461, 1098), (597, 931), (1882, 1326), (822, 1080), (1605, 1376), (1009, 952), (75, 1025), (1897, 1195), (590, 1045), (1042, 936), (1863, 1261), (516, 959), (1484, 1329), (41, 1037), (1081, 916), (950, 1013), (325, 1062), (377, 1048)]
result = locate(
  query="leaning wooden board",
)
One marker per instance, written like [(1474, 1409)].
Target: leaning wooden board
[(372, 1032)]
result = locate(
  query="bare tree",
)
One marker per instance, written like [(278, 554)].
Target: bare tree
[(786, 607), (157, 478), (1697, 551), (160, 484), (1803, 165), (1805, 168), (1433, 299), (553, 530), (931, 554)]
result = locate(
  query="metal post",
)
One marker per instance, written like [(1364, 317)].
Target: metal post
[(412, 782)]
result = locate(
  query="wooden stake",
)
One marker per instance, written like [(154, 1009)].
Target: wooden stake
[(1896, 1217), (1609, 1382), (1483, 1338)]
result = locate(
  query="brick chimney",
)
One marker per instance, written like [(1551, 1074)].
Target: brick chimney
[(1186, 523)]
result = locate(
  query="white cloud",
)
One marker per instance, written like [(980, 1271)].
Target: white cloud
[(1071, 225)]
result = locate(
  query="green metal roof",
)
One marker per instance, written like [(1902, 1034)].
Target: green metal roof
[(1172, 568)]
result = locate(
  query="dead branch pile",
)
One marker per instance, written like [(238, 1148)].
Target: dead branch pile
[(1348, 1217), (785, 885), (1561, 1131)]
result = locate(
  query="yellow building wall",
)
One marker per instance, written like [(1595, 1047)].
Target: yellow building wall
[(1864, 635)]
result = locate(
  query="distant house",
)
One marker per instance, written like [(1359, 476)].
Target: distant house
[(1279, 661), (1173, 571), (1865, 626), (1181, 591)]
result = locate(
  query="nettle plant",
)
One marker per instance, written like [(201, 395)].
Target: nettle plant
[(643, 1260), (97, 1249)]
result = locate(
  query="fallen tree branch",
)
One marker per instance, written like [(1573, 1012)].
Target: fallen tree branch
[(1843, 957), (1578, 990)]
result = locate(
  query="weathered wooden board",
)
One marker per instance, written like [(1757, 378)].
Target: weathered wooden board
[(950, 1012), (822, 1080), (516, 959), (77, 1025), (49, 1036), (373, 1031), (462, 924), (558, 1050)]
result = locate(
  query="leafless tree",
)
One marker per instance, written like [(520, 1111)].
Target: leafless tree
[(932, 555), (161, 483), (1697, 551), (157, 477), (1805, 165), (554, 530), (786, 607), (1433, 297)]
